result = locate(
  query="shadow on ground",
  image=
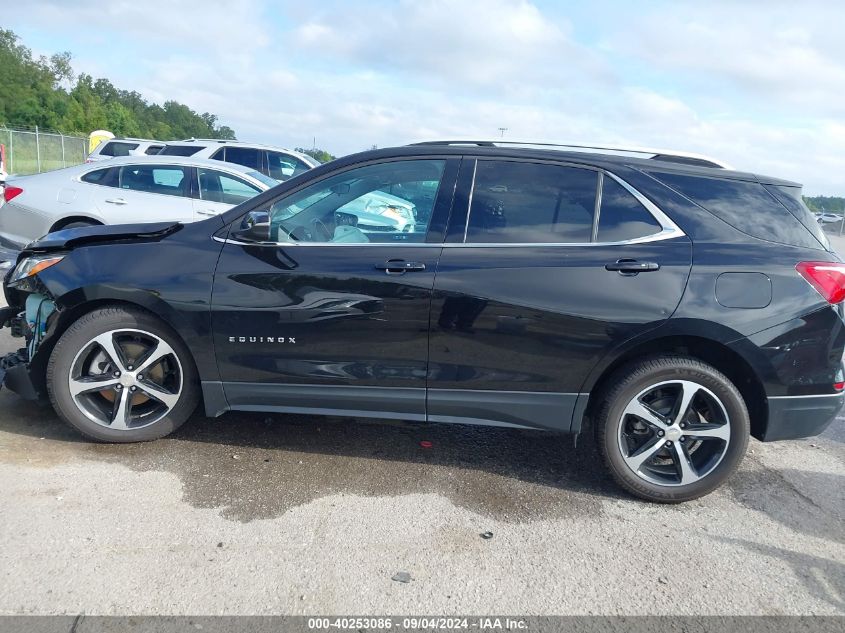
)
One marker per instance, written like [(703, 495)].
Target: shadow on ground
[(774, 492), (824, 578), (254, 466)]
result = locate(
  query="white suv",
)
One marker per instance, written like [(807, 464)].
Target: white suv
[(276, 162), (124, 147)]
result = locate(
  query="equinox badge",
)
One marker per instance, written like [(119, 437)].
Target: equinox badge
[(262, 339)]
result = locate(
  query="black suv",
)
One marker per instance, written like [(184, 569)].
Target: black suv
[(670, 306)]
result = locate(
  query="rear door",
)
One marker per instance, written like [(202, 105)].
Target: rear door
[(325, 314), (145, 193), (545, 269)]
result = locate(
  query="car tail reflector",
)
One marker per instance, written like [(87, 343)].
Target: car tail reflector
[(10, 192), (826, 277)]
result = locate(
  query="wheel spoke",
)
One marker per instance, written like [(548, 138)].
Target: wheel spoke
[(121, 411), (708, 431), (88, 384), (646, 414), (154, 356), (644, 454), (107, 344), (688, 391), (159, 393), (686, 471)]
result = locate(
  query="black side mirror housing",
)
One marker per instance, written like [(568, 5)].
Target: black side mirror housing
[(255, 227)]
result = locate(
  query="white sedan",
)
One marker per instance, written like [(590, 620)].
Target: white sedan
[(123, 190)]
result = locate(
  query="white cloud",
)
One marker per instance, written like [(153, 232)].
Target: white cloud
[(760, 85)]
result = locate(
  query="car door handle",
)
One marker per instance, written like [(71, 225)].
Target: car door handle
[(207, 212), (632, 266), (116, 201), (400, 267)]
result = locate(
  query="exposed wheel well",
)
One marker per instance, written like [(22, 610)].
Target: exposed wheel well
[(66, 318), (711, 352), (60, 224)]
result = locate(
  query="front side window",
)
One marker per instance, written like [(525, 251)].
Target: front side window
[(162, 179), (361, 205), (153, 149), (531, 203), (215, 186), (622, 217), (115, 148), (283, 166)]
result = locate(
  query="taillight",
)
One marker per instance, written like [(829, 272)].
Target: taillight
[(826, 277), (10, 192)]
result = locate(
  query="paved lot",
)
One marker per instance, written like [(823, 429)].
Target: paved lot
[(287, 514)]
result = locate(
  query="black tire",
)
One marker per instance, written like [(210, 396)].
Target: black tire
[(78, 337), (622, 389)]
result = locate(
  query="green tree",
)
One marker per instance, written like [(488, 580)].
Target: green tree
[(45, 92)]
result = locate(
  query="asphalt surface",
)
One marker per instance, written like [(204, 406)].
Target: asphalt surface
[(255, 514)]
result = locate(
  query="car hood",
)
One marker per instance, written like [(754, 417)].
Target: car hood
[(70, 238)]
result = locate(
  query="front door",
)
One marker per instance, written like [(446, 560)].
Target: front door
[(329, 313), (218, 191), (556, 266)]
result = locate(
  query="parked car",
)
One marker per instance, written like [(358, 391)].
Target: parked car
[(276, 162), (671, 310), (124, 147), (828, 218), (130, 189)]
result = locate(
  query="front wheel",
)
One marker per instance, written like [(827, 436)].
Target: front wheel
[(671, 428), (121, 375)]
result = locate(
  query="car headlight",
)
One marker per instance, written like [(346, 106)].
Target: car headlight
[(33, 265)]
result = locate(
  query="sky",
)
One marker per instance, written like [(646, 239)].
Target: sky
[(759, 84)]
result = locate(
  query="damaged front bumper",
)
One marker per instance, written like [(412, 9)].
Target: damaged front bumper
[(15, 367)]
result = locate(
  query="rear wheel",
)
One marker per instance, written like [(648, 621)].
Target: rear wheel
[(672, 428), (120, 375)]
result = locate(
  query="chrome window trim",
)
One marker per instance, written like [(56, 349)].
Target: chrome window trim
[(669, 230)]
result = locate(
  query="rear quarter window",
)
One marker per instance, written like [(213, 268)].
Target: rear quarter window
[(746, 206)]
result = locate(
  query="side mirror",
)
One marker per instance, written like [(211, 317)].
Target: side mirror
[(255, 227)]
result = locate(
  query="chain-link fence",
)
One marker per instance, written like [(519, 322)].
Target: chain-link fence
[(30, 151)]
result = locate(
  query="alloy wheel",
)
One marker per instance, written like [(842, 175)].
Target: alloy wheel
[(125, 379), (674, 433)]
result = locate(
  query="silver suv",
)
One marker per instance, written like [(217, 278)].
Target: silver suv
[(276, 162)]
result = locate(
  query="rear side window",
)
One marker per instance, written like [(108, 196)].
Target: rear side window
[(115, 148), (246, 156), (180, 150), (164, 179), (746, 206), (622, 217), (153, 149), (790, 197), (515, 202)]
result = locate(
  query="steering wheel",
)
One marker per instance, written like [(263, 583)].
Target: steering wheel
[(320, 226)]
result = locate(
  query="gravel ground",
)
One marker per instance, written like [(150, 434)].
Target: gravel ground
[(249, 514)]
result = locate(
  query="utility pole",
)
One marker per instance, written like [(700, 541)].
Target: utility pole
[(503, 130)]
